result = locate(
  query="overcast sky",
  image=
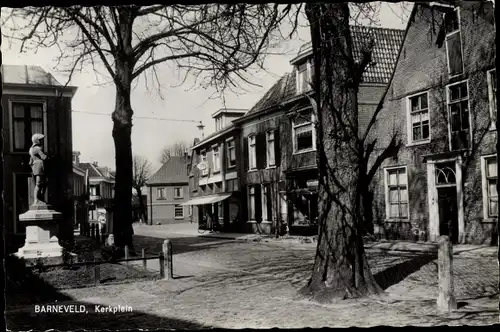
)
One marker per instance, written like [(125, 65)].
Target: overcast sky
[(92, 133)]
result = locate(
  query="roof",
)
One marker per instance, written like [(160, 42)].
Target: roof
[(385, 54), (227, 128), (97, 172), (173, 171), (23, 74)]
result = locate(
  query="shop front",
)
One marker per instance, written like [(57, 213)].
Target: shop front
[(302, 201)]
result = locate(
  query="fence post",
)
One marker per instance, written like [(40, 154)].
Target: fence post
[(446, 299), (167, 252), (126, 253), (97, 272), (144, 261), (162, 265)]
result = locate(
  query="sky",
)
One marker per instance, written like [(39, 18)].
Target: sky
[(92, 132)]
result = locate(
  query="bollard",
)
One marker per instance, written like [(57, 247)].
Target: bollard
[(446, 299), (162, 265), (126, 254), (144, 261), (167, 253), (97, 272)]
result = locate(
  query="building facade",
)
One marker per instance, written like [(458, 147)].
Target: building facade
[(34, 102), (215, 174), (279, 137), (167, 189), (80, 192), (101, 189), (441, 103)]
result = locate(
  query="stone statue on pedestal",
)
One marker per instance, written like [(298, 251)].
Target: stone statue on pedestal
[(37, 159)]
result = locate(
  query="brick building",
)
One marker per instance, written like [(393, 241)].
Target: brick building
[(167, 189), (441, 102)]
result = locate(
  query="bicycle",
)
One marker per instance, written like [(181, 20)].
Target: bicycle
[(215, 227)]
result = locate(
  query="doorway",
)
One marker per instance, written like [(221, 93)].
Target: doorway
[(448, 213)]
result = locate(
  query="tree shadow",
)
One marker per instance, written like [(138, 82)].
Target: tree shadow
[(24, 291), (182, 245), (397, 273)]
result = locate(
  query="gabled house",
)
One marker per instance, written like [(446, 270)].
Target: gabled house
[(279, 137), (441, 101), (33, 101), (167, 189), (215, 173), (101, 188)]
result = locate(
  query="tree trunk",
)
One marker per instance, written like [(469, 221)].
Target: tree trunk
[(122, 130), (142, 208), (340, 269)]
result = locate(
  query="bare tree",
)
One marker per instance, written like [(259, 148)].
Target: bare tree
[(176, 149), (141, 169), (216, 43)]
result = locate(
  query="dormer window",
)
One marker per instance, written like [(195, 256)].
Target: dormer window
[(304, 77)]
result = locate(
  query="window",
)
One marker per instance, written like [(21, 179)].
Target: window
[(178, 212), (304, 135), (490, 194), (453, 42), (216, 154), (160, 193), (178, 192), (94, 190), (396, 193), (270, 149), (27, 119), (458, 112), (203, 155), (251, 203), (232, 185), (267, 207), (492, 94), (419, 118), (252, 153), (303, 78), (231, 153)]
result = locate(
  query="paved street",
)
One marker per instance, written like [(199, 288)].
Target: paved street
[(235, 284)]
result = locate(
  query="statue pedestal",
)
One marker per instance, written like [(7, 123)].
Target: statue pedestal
[(42, 224)]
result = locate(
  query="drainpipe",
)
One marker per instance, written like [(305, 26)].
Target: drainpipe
[(151, 205)]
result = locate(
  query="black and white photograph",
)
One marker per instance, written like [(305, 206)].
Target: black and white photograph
[(249, 165)]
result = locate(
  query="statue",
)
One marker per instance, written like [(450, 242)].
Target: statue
[(37, 158)]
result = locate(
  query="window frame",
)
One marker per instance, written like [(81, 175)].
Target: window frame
[(459, 31), (217, 165), (181, 191), (161, 196), (252, 152), (231, 145), (492, 98), (484, 186), (204, 160), (271, 150), (448, 86), (300, 89), (387, 170), (313, 130), (43, 103), (409, 112), (176, 207)]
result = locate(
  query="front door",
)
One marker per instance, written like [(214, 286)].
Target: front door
[(448, 212)]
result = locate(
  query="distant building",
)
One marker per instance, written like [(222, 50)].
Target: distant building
[(33, 101), (167, 189), (101, 188)]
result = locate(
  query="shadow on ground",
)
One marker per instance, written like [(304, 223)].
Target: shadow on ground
[(179, 245), (24, 290)]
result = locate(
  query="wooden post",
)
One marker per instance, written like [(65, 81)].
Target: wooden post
[(162, 265), (126, 253), (167, 252), (446, 299), (144, 261), (97, 272)]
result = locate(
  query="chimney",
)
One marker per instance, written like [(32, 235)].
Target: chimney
[(95, 163), (76, 158)]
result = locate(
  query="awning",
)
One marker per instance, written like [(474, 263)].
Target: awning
[(209, 199)]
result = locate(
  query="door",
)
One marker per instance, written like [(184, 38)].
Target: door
[(448, 212)]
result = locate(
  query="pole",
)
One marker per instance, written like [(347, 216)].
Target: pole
[(167, 253), (446, 299)]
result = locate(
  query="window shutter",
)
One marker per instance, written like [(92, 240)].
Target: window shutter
[(277, 150), (246, 157), (455, 54), (258, 203), (261, 148)]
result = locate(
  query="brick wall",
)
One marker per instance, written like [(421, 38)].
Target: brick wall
[(422, 66)]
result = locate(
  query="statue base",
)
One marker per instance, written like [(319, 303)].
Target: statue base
[(42, 225)]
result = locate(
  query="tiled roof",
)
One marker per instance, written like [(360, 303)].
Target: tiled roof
[(22, 74), (173, 171), (93, 171), (385, 54)]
